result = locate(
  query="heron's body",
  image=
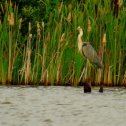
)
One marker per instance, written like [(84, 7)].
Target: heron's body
[(88, 51)]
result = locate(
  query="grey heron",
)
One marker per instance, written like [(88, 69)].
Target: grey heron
[(89, 52)]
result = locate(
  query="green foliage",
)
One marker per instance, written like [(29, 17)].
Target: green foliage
[(44, 50)]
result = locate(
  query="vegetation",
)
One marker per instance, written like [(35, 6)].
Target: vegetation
[(39, 45)]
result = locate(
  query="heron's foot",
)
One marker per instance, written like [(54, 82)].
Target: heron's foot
[(101, 88), (87, 88)]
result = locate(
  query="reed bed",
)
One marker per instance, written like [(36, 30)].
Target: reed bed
[(50, 56)]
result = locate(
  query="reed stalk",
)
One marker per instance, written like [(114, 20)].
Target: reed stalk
[(11, 24)]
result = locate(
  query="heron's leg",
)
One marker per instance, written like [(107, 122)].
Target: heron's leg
[(98, 76), (85, 75), (101, 82), (88, 69)]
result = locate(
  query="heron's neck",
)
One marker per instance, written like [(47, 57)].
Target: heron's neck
[(80, 43)]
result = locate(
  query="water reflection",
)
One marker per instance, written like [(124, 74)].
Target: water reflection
[(64, 106)]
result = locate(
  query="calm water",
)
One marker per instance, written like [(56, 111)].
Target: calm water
[(61, 106)]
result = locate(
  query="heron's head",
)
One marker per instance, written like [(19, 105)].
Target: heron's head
[(79, 29)]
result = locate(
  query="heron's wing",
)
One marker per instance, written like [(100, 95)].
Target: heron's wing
[(90, 53)]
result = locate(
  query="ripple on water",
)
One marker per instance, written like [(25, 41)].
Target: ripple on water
[(6, 102), (64, 106)]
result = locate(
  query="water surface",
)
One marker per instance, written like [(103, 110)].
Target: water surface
[(61, 106)]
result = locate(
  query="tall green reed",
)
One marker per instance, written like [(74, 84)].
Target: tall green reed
[(50, 55)]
